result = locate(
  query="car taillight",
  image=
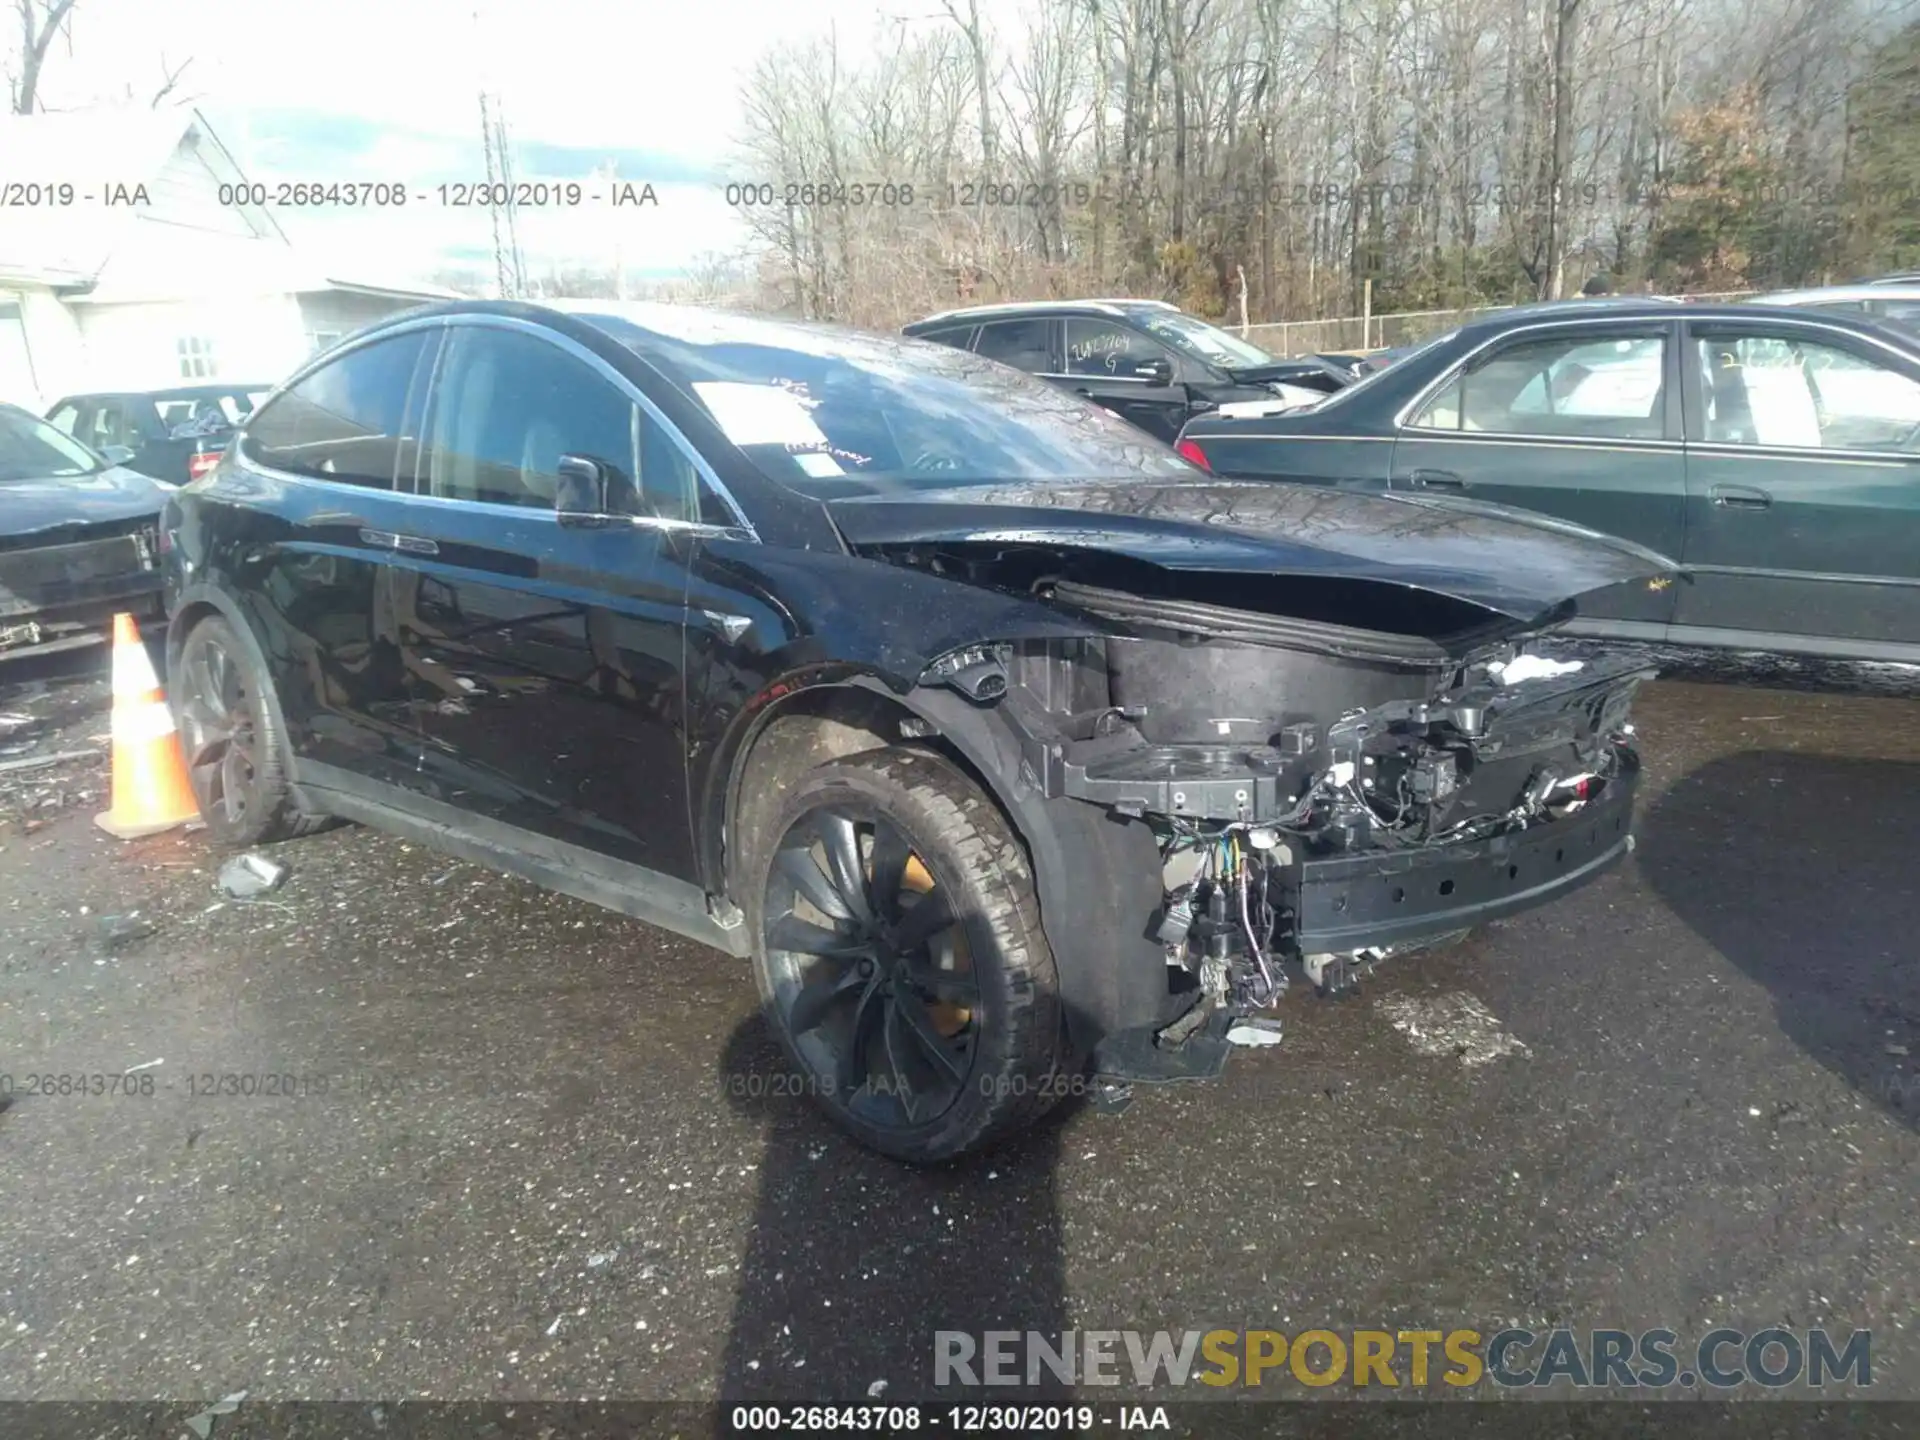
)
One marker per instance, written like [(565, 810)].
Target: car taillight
[(203, 463), (1190, 451)]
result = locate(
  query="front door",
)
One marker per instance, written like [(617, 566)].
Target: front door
[(314, 565), (546, 656), (1803, 490), (1581, 423), (1121, 370)]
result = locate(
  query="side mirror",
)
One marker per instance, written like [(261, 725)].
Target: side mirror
[(580, 497), (1159, 371), (116, 454)]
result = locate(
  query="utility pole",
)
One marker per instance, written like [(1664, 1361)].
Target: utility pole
[(509, 267)]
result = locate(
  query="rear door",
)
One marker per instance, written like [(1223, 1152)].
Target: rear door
[(311, 558), (1581, 422), (1131, 374), (546, 658), (1803, 489), (1030, 343)]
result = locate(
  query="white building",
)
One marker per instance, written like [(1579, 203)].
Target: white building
[(139, 276)]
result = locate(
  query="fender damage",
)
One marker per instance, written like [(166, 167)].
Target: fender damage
[(1329, 728)]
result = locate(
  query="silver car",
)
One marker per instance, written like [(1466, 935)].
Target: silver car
[(1897, 300)]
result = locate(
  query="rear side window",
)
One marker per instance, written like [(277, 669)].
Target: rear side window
[(1575, 386), (1022, 344), (958, 336), (344, 422)]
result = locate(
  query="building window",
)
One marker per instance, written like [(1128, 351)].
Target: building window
[(196, 358)]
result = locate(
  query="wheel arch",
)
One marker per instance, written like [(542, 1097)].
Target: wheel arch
[(196, 603), (1085, 861)]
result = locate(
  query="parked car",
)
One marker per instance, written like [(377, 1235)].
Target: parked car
[(173, 435), (1001, 740), (1145, 360), (1894, 300), (77, 539), (1775, 451)]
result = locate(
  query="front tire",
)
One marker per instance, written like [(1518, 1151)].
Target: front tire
[(231, 737), (900, 959)]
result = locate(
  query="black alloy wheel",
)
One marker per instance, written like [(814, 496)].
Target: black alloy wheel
[(878, 987), (219, 735), (900, 958), (232, 739)]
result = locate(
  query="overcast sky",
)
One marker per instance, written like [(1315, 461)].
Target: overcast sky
[(388, 90)]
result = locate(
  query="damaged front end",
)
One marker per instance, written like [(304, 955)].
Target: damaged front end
[(1337, 715), (1323, 794)]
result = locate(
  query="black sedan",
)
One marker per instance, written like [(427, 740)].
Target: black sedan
[(78, 539), (1001, 740), (1148, 362), (1775, 451)]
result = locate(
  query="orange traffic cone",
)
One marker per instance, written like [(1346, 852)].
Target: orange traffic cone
[(150, 788)]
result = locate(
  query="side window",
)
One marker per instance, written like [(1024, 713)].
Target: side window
[(1784, 390), (1020, 343), (108, 426), (344, 421), (957, 336), (1100, 347), (65, 418), (508, 405), (1609, 389)]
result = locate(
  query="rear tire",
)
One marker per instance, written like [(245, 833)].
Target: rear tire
[(899, 956), (235, 747)]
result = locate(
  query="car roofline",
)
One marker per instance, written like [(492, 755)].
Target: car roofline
[(1117, 307)]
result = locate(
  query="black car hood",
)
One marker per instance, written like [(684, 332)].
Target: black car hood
[(1514, 564), (28, 507)]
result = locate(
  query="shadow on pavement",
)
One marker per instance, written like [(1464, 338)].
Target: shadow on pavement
[(855, 1260), (1802, 870)]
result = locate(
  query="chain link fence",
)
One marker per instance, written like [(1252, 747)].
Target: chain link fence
[(1350, 334)]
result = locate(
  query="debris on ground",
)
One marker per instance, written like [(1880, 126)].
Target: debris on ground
[(1255, 1030), (118, 931), (43, 769), (1456, 1025), (202, 1424), (246, 876)]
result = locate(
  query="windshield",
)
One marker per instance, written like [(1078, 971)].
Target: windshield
[(834, 411), (1201, 341), (31, 449)]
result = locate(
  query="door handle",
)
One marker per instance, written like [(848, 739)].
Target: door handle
[(1739, 497), (1438, 480), (411, 544)]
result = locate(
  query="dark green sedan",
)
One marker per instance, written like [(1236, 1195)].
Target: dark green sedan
[(1774, 452)]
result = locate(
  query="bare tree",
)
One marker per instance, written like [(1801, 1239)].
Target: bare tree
[(40, 23)]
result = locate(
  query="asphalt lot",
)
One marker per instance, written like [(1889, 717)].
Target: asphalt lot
[(530, 1149)]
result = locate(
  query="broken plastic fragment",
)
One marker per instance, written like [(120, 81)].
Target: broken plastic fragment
[(1254, 1031), (245, 876), (1523, 668)]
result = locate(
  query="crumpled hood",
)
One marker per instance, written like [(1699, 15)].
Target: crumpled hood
[(30, 506), (1519, 565)]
